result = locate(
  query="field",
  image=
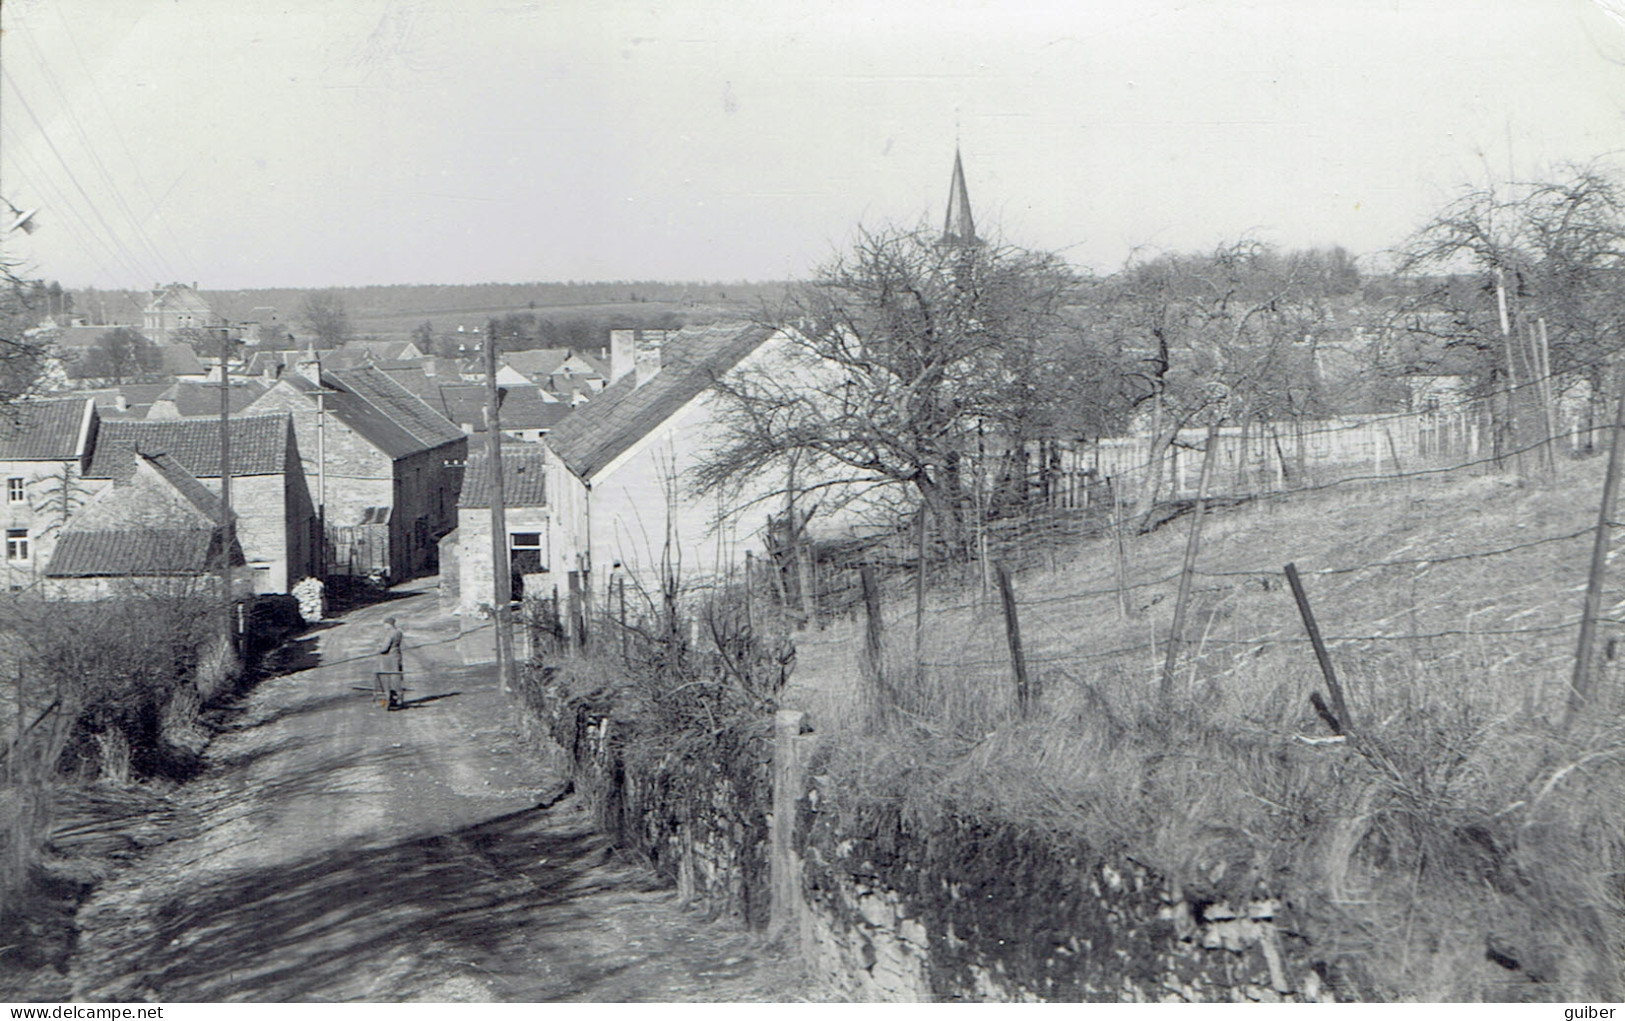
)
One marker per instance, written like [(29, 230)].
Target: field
[(1460, 843)]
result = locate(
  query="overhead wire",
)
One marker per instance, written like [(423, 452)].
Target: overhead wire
[(132, 263), (118, 134)]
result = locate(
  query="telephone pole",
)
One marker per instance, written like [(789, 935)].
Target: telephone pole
[(227, 603), (501, 566)]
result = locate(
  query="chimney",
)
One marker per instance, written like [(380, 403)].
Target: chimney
[(310, 366), (621, 345), (646, 354)]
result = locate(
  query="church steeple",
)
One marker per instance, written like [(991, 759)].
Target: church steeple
[(958, 227)]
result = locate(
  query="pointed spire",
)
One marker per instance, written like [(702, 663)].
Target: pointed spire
[(958, 227)]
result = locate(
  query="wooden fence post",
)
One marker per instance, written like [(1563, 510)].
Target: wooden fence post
[(576, 635), (1345, 723), (1122, 549), (620, 591), (1580, 685), (1543, 354), (872, 662), (750, 596), (1026, 692), (1165, 690), (919, 585)]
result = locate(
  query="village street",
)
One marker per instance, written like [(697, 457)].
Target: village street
[(348, 853)]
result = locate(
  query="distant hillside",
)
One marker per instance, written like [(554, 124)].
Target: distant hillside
[(396, 309)]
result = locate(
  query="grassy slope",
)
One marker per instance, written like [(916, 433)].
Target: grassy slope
[(1467, 822)]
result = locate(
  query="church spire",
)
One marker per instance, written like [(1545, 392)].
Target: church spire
[(958, 228)]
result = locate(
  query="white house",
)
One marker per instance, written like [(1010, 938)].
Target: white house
[(619, 467)]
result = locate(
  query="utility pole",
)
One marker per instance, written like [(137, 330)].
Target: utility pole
[(321, 479), (225, 489), (500, 565)]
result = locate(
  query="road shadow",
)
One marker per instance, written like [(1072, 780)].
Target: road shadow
[(419, 703), (347, 595), (333, 925)]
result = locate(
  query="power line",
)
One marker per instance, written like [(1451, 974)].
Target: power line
[(131, 261)]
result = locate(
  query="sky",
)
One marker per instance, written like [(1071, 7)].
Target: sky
[(300, 143)]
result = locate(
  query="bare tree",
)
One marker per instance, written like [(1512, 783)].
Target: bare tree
[(1551, 250), (1226, 336), (120, 354), (325, 315), (899, 354), (22, 358)]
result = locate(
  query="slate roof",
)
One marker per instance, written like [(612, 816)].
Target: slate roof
[(368, 422), (192, 398), (462, 404), (43, 430), (539, 362), (412, 378), (523, 407), (355, 353), (693, 358), (196, 493), (259, 445), (524, 478), (426, 427), (263, 363), (120, 553), (138, 397), (180, 360)]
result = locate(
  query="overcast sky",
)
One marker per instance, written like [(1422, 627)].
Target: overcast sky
[(305, 143)]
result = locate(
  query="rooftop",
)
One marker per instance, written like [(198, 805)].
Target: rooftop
[(523, 478), (693, 358), (259, 445), (45, 430)]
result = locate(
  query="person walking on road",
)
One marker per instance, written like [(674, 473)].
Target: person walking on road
[(389, 661)]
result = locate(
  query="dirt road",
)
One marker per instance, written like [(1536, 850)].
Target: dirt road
[(348, 853)]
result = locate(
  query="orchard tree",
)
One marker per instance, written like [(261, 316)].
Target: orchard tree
[(1223, 337), (905, 357), (1551, 251)]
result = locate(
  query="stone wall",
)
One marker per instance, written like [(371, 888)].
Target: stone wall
[(696, 811), (951, 908), (961, 909)]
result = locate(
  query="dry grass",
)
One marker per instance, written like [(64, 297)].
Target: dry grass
[(1464, 822)]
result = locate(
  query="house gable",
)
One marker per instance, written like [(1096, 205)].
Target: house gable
[(595, 436)]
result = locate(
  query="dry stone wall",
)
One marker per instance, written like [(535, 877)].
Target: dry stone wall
[(696, 812), (959, 909), (886, 909)]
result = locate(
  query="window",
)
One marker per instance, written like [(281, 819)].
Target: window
[(14, 490), (16, 544), (526, 550)]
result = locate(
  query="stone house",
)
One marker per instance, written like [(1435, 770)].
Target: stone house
[(45, 447), (154, 530), (271, 501), (384, 467), (524, 475)]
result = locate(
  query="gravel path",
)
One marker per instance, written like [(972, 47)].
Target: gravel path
[(348, 853)]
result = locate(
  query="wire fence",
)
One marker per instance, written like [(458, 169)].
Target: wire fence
[(1495, 598)]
